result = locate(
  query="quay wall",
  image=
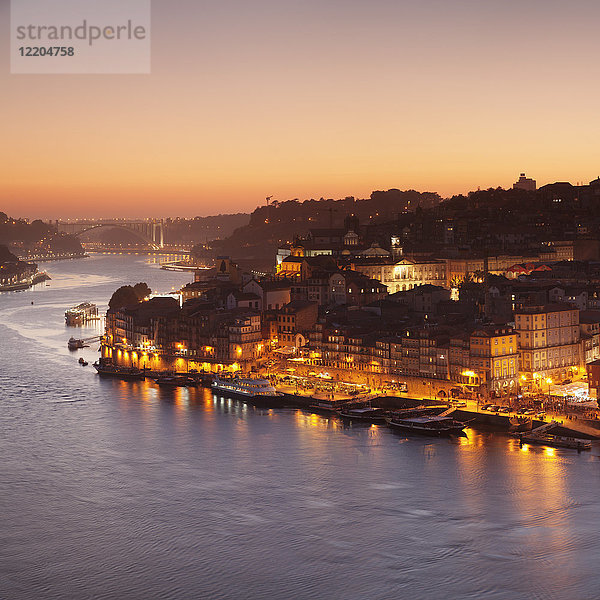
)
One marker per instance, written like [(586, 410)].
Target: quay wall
[(496, 422)]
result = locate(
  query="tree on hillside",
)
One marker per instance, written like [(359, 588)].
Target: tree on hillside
[(124, 296), (6, 255), (142, 290)]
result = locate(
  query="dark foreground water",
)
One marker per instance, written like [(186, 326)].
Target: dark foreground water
[(115, 489)]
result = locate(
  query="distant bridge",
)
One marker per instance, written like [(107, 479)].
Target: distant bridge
[(150, 231)]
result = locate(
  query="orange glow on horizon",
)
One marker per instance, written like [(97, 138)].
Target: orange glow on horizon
[(241, 105)]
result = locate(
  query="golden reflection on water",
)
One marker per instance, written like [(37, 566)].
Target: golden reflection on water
[(534, 488), (536, 482), (181, 399), (222, 404), (315, 421), (472, 438)]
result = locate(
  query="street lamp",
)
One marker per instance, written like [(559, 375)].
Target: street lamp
[(521, 384), (549, 382)]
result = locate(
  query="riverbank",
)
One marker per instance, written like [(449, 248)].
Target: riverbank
[(52, 257), (24, 285), (304, 388)]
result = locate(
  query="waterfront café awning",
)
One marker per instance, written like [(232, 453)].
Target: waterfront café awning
[(574, 393), (575, 388), (516, 269)]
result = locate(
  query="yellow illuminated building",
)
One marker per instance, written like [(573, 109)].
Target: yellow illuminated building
[(548, 339), (494, 358)]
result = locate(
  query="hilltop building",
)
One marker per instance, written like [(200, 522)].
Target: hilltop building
[(525, 183)]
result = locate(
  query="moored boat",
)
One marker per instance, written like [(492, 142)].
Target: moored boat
[(328, 406), (556, 441), (541, 436), (119, 372), (81, 314), (254, 390), (75, 344), (366, 414), (175, 380), (520, 424), (434, 425)]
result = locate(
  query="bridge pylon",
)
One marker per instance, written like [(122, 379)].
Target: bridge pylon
[(158, 236)]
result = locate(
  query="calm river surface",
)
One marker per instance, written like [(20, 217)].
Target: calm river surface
[(114, 489)]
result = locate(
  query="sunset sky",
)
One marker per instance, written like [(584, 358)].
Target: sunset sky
[(308, 98)]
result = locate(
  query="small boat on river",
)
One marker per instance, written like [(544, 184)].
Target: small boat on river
[(434, 425), (131, 373), (365, 414), (175, 381), (75, 344), (541, 436), (556, 441)]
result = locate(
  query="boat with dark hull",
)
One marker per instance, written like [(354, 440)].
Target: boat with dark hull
[(253, 390), (327, 407), (520, 424), (433, 425), (365, 414), (541, 436), (75, 344), (119, 372), (176, 381), (557, 441)]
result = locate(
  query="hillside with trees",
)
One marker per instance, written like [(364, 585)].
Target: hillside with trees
[(495, 220), (279, 222), (36, 238)]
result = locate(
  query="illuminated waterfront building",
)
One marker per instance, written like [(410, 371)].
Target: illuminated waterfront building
[(549, 340), (589, 326), (160, 335), (494, 358)]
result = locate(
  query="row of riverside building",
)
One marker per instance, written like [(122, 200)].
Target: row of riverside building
[(546, 342), (335, 304)]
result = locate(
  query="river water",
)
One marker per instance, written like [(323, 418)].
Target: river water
[(115, 489)]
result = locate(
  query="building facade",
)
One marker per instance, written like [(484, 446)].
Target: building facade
[(494, 358), (404, 274), (549, 341)]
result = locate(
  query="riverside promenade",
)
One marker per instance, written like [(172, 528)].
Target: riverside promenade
[(578, 427)]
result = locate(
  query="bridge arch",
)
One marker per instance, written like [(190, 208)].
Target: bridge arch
[(139, 234)]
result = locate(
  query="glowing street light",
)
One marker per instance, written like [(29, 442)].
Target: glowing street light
[(549, 382)]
